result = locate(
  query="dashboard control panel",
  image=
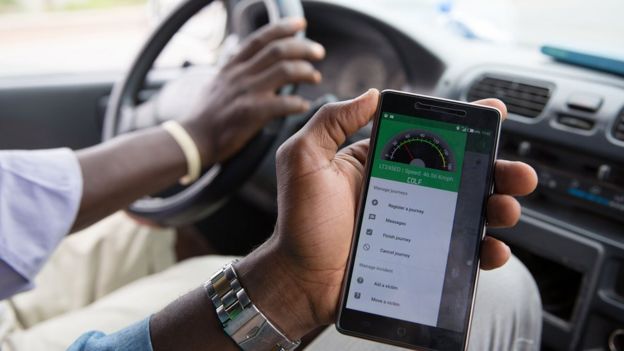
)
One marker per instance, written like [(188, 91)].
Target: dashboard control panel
[(570, 177), (569, 126)]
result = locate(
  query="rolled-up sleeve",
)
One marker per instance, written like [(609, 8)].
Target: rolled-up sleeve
[(40, 193)]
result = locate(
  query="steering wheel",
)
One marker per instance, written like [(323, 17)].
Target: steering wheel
[(183, 205)]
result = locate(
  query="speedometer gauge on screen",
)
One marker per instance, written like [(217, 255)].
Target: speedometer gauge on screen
[(421, 149)]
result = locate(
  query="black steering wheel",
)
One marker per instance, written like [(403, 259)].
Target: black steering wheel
[(183, 205)]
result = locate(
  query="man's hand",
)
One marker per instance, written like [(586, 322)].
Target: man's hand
[(242, 99), (318, 190), (236, 105)]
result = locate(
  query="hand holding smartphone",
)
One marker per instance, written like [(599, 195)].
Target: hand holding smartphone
[(414, 259)]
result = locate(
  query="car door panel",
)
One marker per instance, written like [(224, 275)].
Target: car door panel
[(52, 112)]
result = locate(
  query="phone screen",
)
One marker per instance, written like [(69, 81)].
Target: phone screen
[(421, 221)]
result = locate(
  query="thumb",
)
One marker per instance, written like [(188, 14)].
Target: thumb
[(334, 123)]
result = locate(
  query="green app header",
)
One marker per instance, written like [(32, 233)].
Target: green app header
[(419, 151)]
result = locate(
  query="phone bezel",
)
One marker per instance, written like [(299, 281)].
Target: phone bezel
[(385, 329)]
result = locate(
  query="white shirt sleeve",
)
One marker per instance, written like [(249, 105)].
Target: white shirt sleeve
[(40, 194)]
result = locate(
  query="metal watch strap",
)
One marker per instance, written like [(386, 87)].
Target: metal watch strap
[(240, 318)]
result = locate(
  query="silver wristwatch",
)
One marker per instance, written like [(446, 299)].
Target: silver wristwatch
[(240, 318)]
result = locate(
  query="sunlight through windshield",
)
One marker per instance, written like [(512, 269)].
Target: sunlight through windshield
[(68, 36)]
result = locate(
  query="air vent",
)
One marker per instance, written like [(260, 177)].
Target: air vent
[(521, 99), (618, 126)]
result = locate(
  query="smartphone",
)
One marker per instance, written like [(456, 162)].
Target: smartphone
[(414, 262)]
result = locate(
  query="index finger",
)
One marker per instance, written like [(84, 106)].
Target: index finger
[(263, 36), (496, 103)]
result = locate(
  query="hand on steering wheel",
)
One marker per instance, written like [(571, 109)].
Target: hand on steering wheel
[(239, 113), (243, 97)]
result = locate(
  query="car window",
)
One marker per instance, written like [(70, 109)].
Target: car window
[(73, 36), (580, 23)]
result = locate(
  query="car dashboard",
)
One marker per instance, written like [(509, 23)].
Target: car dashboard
[(571, 235)]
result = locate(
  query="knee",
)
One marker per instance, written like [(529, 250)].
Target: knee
[(508, 309), (516, 292)]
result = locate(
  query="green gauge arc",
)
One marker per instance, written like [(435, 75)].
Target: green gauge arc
[(420, 148)]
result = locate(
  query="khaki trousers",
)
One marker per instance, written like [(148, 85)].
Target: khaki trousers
[(118, 272)]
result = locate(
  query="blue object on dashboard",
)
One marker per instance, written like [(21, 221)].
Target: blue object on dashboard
[(596, 61)]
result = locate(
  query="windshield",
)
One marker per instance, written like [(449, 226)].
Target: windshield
[(594, 25), (71, 36)]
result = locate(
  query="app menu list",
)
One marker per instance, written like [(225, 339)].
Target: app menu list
[(403, 247)]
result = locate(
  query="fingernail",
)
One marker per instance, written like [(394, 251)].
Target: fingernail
[(368, 92), (297, 22), (318, 49), (318, 76)]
